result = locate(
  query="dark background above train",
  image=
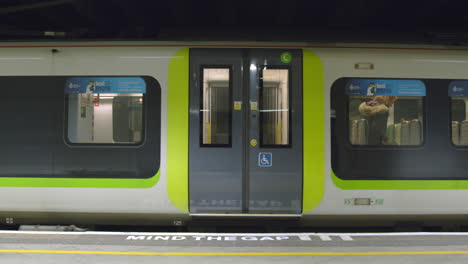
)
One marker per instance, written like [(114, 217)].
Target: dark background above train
[(442, 22)]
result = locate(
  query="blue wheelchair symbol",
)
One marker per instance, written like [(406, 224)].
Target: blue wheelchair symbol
[(265, 159)]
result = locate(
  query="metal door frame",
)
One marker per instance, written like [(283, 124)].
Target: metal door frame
[(244, 59)]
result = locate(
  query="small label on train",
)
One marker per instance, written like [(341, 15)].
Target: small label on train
[(265, 159), (237, 105), (286, 57)]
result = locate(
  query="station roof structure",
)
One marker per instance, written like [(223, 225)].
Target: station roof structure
[(239, 20)]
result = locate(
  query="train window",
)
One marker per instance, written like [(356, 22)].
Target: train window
[(215, 107), (274, 107), (105, 110), (459, 122), (385, 112)]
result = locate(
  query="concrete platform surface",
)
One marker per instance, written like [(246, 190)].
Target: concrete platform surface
[(122, 247)]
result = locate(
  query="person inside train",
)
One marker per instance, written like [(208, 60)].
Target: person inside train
[(376, 113)]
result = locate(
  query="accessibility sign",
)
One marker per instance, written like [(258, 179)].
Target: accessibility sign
[(265, 159)]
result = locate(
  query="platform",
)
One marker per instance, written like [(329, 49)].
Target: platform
[(119, 247)]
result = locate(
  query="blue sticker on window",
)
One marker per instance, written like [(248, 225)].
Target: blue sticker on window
[(458, 89), (78, 85), (265, 159), (371, 87)]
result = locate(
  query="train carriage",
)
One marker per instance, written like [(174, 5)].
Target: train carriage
[(164, 133)]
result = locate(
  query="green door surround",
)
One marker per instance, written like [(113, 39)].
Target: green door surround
[(314, 131), (177, 130)]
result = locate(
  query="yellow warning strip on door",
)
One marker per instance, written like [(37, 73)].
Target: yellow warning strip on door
[(232, 253)]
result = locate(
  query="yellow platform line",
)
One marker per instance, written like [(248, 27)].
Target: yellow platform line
[(231, 253)]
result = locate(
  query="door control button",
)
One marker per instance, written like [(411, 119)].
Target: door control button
[(253, 142)]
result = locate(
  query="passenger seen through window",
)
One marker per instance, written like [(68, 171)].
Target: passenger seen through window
[(385, 112)]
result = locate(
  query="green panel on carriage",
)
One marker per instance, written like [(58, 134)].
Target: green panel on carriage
[(314, 131), (177, 129)]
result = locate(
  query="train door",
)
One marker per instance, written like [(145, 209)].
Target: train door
[(245, 140)]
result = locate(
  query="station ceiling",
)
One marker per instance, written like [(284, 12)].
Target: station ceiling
[(404, 21)]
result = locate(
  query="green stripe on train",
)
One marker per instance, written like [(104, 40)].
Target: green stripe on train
[(399, 184), (177, 129), (79, 182), (314, 131)]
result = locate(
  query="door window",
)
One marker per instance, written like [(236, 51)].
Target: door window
[(215, 109), (274, 107)]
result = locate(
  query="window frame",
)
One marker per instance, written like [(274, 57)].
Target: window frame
[(458, 147)]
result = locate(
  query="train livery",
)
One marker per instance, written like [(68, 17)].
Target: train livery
[(155, 132)]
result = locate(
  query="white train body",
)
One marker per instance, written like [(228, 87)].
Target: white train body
[(27, 200)]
